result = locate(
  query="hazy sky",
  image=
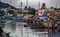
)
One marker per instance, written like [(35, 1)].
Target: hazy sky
[(34, 3)]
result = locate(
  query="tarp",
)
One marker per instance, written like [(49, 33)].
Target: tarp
[(43, 17)]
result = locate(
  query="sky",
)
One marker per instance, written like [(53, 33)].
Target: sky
[(34, 3)]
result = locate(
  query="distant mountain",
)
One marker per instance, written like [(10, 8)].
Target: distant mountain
[(6, 5)]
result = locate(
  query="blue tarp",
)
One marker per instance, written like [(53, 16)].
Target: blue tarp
[(42, 17)]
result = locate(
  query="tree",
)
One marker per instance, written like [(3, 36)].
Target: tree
[(11, 12), (25, 8), (32, 11)]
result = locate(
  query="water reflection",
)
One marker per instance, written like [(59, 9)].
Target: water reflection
[(16, 29)]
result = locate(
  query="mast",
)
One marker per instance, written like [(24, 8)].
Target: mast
[(27, 3), (21, 5), (10, 2), (38, 4)]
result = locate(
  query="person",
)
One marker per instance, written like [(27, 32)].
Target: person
[(43, 10)]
